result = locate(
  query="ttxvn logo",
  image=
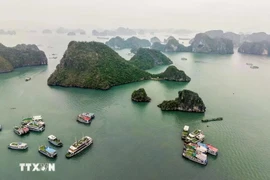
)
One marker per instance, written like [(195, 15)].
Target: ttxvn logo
[(37, 167)]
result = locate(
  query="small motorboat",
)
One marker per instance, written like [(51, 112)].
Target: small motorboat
[(17, 146), (21, 130), (85, 117), (47, 151), (55, 141)]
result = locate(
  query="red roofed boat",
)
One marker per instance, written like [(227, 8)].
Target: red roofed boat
[(212, 150), (85, 118)]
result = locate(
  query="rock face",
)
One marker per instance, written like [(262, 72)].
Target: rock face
[(47, 31), (94, 65), (118, 32), (133, 42), (172, 46), (172, 74), (20, 56), (236, 38), (5, 65), (187, 101), (258, 37), (148, 58), (154, 40), (257, 48), (202, 43), (140, 96), (215, 33), (168, 39)]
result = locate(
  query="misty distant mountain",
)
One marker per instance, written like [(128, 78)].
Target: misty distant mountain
[(236, 38), (118, 32), (3, 32), (47, 31)]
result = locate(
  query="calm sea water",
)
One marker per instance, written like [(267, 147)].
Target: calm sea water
[(138, 141)]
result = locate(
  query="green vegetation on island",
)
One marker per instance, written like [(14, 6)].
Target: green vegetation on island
[(94, 65), (187, 101), (172, 74), (140, 96), (20, 56), (148, 58)]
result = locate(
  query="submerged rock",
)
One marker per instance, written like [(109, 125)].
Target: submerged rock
[(187, 101), (140, 96)]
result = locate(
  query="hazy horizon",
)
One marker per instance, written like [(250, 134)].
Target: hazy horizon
[(195, 15)]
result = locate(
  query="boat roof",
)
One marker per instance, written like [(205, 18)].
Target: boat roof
[(72, 148), (87, 114), (202, 144), (37, 117), (186, 128), (201, 156), (84, 117), (52, 137), (201, 136), (212, 147), (50, 150), (201, 148)]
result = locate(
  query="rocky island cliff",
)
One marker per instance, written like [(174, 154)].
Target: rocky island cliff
[(155, 39), (187, 101), (20, 56), (236, 38), (172, 45), (133, 42), (140, 96), (172, 74), (148, 58), (202, 43), (257, 48), (96, 66)]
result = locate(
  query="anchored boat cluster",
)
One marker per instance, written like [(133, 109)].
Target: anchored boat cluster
[(37, 124), (34, 123), (194, 149)]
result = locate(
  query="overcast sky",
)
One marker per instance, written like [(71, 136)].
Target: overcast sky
[(236, 15)]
